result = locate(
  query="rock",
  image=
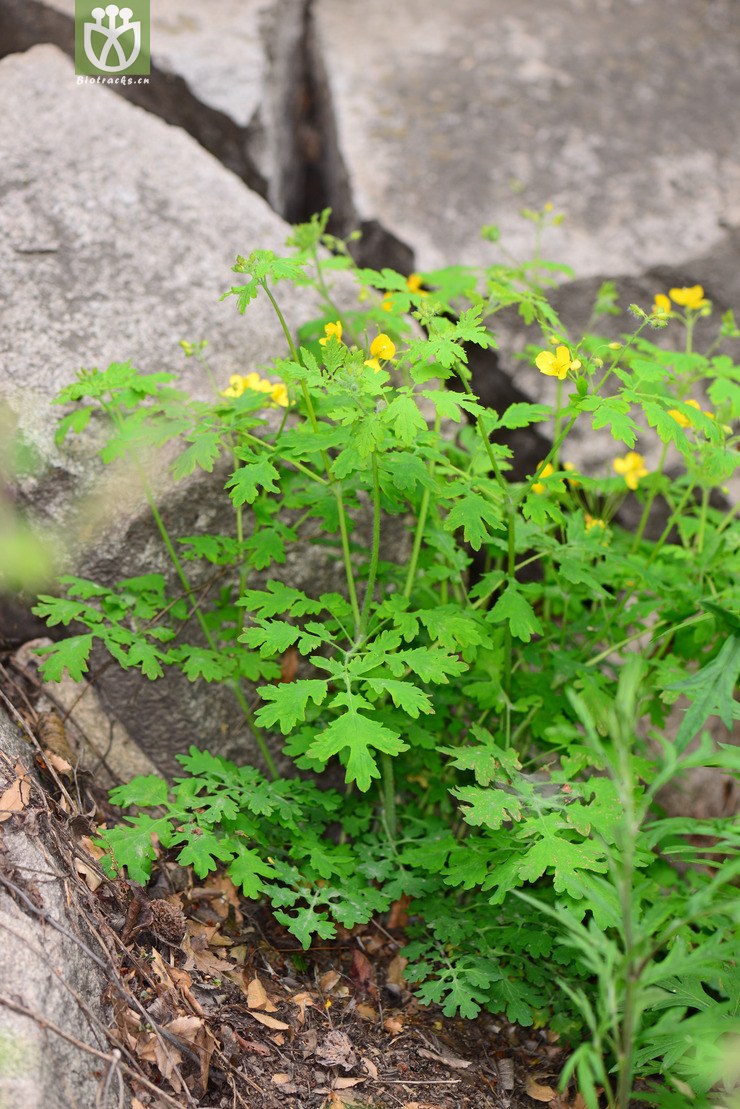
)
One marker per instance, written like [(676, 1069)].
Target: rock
[(42, 967), (118, 236), (225, 74), (445, 125)]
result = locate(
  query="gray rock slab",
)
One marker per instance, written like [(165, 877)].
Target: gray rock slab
[(620, 113), (42, 968), (117, 233), (226, 72)]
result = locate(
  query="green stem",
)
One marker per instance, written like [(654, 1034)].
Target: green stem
[(649, 502), (238, 694), (335, 485), (389, 795), (420, 524), (281, 318), (375, 552)]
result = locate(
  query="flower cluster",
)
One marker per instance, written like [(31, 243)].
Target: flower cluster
[(691, 297), (632, 468), (238, 384)]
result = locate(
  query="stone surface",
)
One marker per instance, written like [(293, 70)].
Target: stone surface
[(117, 233), (41, 968), (226, 72), (614, 112)]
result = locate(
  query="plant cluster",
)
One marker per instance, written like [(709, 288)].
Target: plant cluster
[(503, 734)]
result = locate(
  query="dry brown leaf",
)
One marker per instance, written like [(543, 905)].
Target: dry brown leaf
[(347, 1083), (538, 1092), (280, 1079), (396, 967), (198, 955), (370, 1067), (257, 997), (394, 1025), (362, 972), (506, 1073), (302, 1000), (16, 796), (398, 916), (194, 1031), (336, 1050), (449, 1060), (278, 1039), (329, 980), (367, 1012), (56, 762), (269, 1022), (136, 1104)]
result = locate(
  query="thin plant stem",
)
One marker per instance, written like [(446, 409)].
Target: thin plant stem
[(335, 485), (375, 551), (179, 570), (389, 795), (649, 502)]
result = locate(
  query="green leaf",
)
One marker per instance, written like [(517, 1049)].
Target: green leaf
[(76, 421), (513, 608), (522, 414), (68, 654), (246, 482), (405, 418), (289, 701), (245, 871), (453, 628), (203, 452), (403, 694), (472, 513), (202, 850), (147, 658), (488, 807), (429, 663), (711, 691), (552, 851), (271, 636), (613, 412), (278, 599), (199, 662), (131, 844), (144, 790), (359, 736)]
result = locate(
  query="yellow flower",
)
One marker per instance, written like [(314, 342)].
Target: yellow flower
[(680, 418), (594, 522), (538, 487), (387, 303), (279, 394), (415, 282), (382, 347), (332, 331), (571, 470), (557, 364), (235, 387), (692, 297), (662, 305), (631, 467), (257, 384)]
